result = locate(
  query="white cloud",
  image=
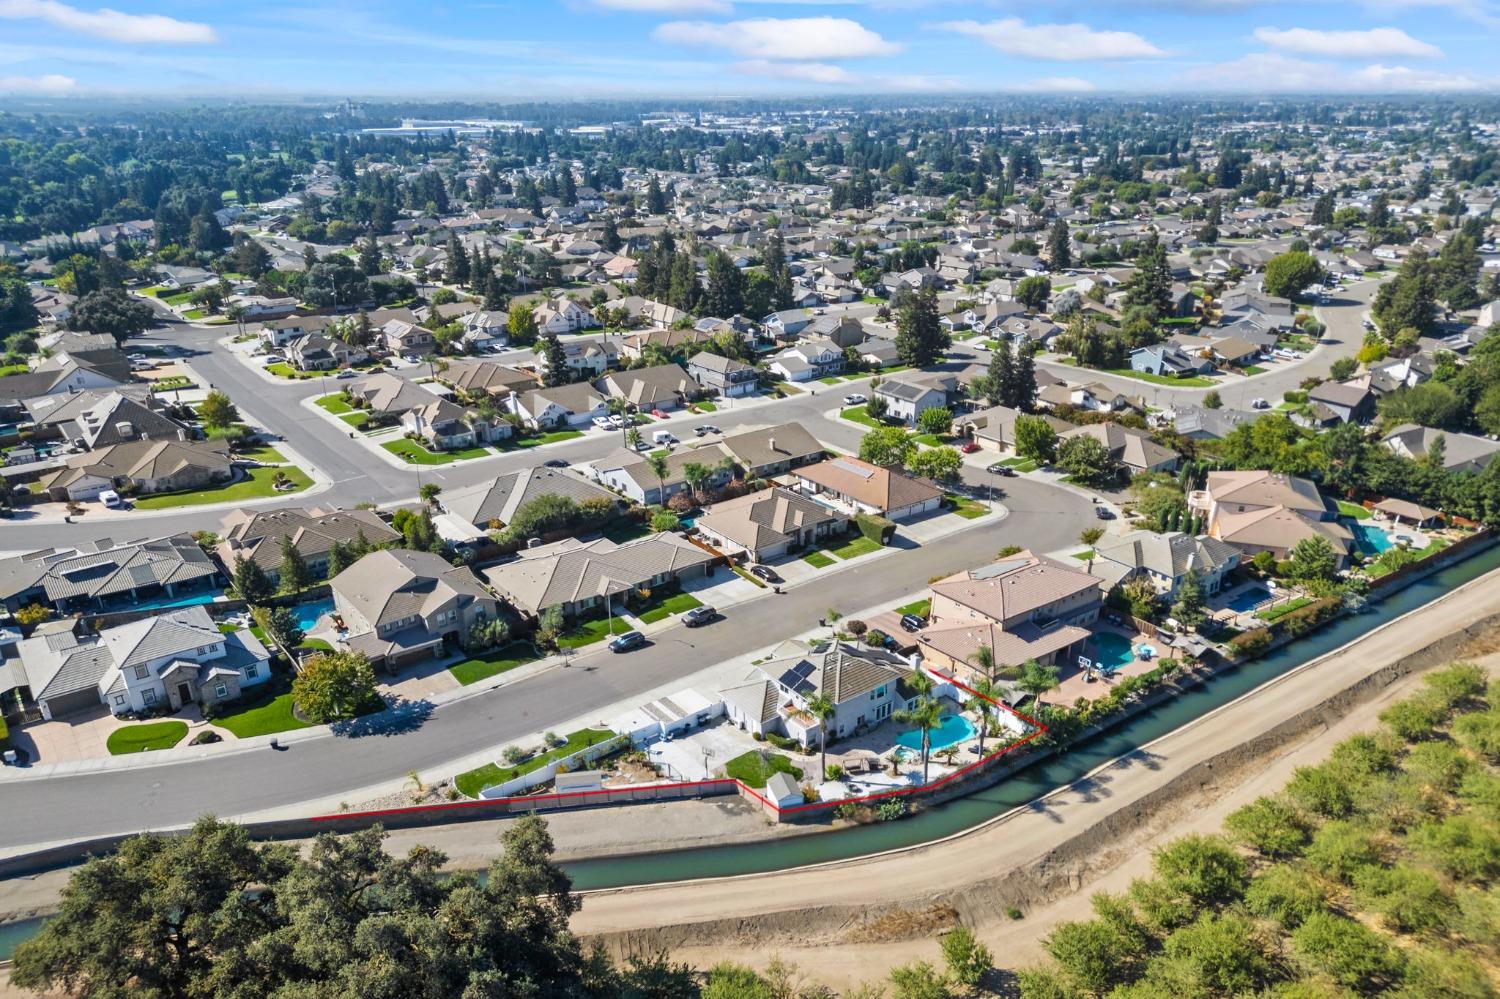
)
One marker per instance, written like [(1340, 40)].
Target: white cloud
[(790, 39), (668, 6), (810, 72), (112, 24), (1371, 44), (1057, 42), (1059, 85), (1271, 72), (50, 84)]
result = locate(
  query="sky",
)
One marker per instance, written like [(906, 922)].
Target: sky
[(500, 50)]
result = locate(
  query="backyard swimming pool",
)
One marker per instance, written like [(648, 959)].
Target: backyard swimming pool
[(308, 614), (1111, 651), (1248, 599), (952, 729), (1369, 539)]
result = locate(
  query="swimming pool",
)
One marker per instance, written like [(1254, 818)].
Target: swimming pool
[(308, 614), (167, 603), (952, 729), (1369, 539), (1248, 599), (1111, 651)]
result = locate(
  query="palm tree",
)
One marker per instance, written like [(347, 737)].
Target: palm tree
[(983, 702), (237, 312), (696, 475), (821, 708), (983, 659), (616, 406), (658, 463), (1037, 679), (924, 715)]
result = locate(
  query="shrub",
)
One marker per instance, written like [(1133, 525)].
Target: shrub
[(1250, 644), (1270, 826), (1416, 717), (966, 959), (1349, 953), (876, 528), (1408, 900), (1286, 894), (1341, 849)]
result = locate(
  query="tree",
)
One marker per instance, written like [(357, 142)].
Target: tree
[(1211, 399), (557, 372), (1090, 535), (1289, 274), (1020, 390), (696, 474), (1271, 826), (340, 557), (1190, 608), (999, 376), (918, 981), (1034, 291), (332, 686), (821, 707), (1059, 251), (725, 296), (887, 446), (1037, 679), (110, 311), (521, 324), (429, 493), (279, 623), (1311, 559), (1086, 459), (293, 573), (940, 464), (1430, 404), (920, 337), (935, 420), (924, 714), (1408, 299), (251, 581), (656, 200), (664, 520), (1151, 286), (659, 466), (1035, 439), (986, 693), (1348, 952), (217, 410)]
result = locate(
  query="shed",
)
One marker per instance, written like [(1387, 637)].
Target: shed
[(1405, 511), (783, 791)]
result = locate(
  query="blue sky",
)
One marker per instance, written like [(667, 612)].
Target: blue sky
[(512, 49)]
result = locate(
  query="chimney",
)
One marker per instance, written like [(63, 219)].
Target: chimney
[(771, 443)]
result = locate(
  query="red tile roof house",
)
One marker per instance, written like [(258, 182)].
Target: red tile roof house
[(1023, 607), (859, 487)]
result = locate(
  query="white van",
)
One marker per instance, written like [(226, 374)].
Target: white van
[(111, 499), (664, 437)]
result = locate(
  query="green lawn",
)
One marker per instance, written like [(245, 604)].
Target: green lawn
[(1253, 369), (754, 768), (858, 414), (335, 404), (1084, 556), (706, 407), (588, 632), (284, 370), (1282, 610), (1192, 381), (521, 444), (14, 369), (261, 716), (266, 454), (1353, 510), (661, 609), (817, 560), (490, 774), (255, 485), (933, 440), (416, 454), (501, 660), (855, 547), (1021, 465), (969, 509), (146, 736), (917, 607)]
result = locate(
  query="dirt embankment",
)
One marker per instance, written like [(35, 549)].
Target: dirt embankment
[(852, 919)]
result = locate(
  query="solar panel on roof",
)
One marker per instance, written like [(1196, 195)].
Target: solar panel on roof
[(863, 473), (997, 569), (795, 678)]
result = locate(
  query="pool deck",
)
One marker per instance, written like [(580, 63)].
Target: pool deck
[(1073, 684)]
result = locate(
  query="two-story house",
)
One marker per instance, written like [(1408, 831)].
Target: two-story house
[(563, 315), (1163, 561), (808, 360), (1258, 511), (723, 376), (909, 394)]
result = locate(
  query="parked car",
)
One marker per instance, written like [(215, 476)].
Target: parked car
[(1001, 469), (709, 428), (854, 399), (1259, 404), (555, 463), (111, 499), (764, 572), (602, 422), (658, 414), (641, 445), (911, 622), (700, 431), (969, 447), (699, 616), (629, 640), (1104, 513), (347, 373)]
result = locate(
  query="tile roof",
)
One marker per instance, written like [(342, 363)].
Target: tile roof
[(571, 572), (257, 534), (498, 500), (882, 488), (1015, 586)]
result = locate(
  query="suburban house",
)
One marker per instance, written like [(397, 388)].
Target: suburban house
[(630, 473), (565, 405), (167, 661), (808, 360), (1342, 402), (773, 451), (1169, 359), (405, 339), (1022, 607), (278, 332), (1163, 560), (258, 535), (390, 395), (1202, 424), (866, 686), (485, 330), (1461, 452), (323, 353), (721, 375), (584, 358), (143, 466), (102, 418), (856, 486), (445, 425), (62, 374), (580, 577), (663, 387), (1259, 511), (1131, 449), (494, 503), (563, 315), (908, 394), (474, 376), (102, 575), (671, 342), (768, 524), (399, 606), (994, 429)]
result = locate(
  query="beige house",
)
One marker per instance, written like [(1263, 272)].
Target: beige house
[(399, 606), (994, 429), (1133, 450), (859, 487), (144, 466), (1258, 511), (582, 577), (257, 535), (1022, 607), (1164, 560), (769, 524)]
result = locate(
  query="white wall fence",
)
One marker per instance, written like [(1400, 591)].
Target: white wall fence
[(544, 774)]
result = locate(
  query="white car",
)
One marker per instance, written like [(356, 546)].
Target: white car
[(347, 373), (602, 422), (1259, 404), (854, 399)]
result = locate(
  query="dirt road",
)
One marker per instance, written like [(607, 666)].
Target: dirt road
[(853, 920)]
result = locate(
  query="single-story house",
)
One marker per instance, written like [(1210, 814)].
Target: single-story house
[(494, 503), (856, 486), (258, 535), (581, 577), (143, 466), (768, 524)]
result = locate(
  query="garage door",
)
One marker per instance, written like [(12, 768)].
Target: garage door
[(66, 704)]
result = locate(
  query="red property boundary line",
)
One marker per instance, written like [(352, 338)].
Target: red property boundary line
[(579, 797)]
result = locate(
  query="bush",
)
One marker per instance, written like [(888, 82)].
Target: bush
[(966, 959), (1285, 894), (1270, 826), (1349, 953), (206, 738), (875, 528), (1250, 644)]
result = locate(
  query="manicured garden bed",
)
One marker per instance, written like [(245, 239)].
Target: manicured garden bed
[(256, 484), (474, 781), (754, 768), (145, 737), (416, 454)]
